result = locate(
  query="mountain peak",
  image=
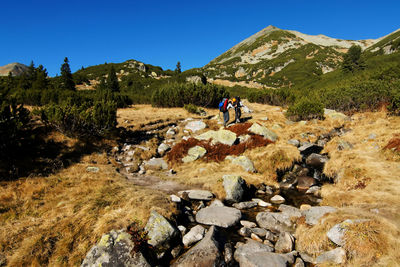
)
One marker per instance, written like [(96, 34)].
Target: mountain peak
[(15, 68)]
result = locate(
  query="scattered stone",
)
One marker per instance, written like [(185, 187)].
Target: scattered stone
[(336, 233), (256, 237), (285, 243), (307, 258), (316, 161), (299, 263), (219, 216), (234, 187), (260, 192), (307, 149), (261, 130), (248, 224), (247, 110), (195, 126), (228, 253), (294, 142), (197, 194), (155, 164), (259, 231), (314, 190), (315, 213), (160, 232), (195, 234), (249, 248), (194, 153), (278, 222), (305, 207), (171, 132), (372, 136), (305, 182), (92, 169), (330, 113), (291, 211), (268, 243), (204, 253), (182, 229), (244, 138), (335, 256), (216, 203), (175, 198), (114, 249), (162, 149), (176, 251), (277, 199), (244, 231), (245, 205), (244, 162), (222, 136), (344, 145)]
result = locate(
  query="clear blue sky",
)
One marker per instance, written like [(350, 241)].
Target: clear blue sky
[(164, 32)]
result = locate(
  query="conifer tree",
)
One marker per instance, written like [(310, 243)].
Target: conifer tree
[(66, 76), (112, 81), (353, 59), (41, 82), (178, 67)]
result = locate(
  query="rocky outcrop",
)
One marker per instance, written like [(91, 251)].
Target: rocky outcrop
[(114, 249), (261, 130), (234, 187), (222, 136), (160, 232)]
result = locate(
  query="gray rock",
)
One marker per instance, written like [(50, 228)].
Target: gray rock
[(114, 249), (299, 263), (160, 232), (307, 258), (197, 194), (316, 160), (305, 182), (216, 203), (234, 187), (294, 142), (315, 213), (176, 251), (155, 164), (330, 113), (204, 253), (171, 132), (92, 169), (245, 231), (222, 136), (250, 247), (219, 216), (162, 149), (195, 126), (307, 149), (194, 153), (336, 233), (278, 222), (228, 253), (291, 211), (244, 162), (175, 198), (314, 190), (261, 202), (195, 234), (259, 231), (277, 199), (285, 243), (244, 138), (182, 229), (245, 205), (335, 256), (248, 224), (261, 130), (256, 237), (344, 145)]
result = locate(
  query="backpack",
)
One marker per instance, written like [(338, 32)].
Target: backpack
[(223, 105)]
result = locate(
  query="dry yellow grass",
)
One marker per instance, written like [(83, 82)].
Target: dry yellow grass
[(55, 220)]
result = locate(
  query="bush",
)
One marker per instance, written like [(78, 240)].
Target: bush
[(193, 109), (81, 120), (179, 94), (306, 109)]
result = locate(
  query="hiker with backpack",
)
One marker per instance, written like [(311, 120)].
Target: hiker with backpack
[(224, 107), (237, 104)]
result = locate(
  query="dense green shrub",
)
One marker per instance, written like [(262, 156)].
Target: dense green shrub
[(194, 109), (81, 120), (179, 94), (305, 109)]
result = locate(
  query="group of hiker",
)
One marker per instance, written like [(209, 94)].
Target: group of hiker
[(226, 104)]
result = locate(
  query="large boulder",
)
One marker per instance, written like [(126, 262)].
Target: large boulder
[(155, 164), (243, 161), (195, 126), (219, 216), (336, 233), (274, 221), (335, 256), (261, 130), (195, 234), (305, 182), (205, 253), (316, 161), (333, 114), (291, 211), (315, 213), (160, 232), (114, 249), (194, 153), (285, 243), (234, 187), (221, 136)]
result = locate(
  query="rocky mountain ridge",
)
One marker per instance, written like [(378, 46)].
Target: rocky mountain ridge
[(16, 69)]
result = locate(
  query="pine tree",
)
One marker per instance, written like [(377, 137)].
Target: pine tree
[(41, 82), (353, 60), (112, 81), (67, 82), (178, 67)]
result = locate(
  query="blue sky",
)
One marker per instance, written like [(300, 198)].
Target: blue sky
[(164, 32)]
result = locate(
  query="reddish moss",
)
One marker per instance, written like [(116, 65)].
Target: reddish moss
[(216, 152), (394, 143), (240, 128)]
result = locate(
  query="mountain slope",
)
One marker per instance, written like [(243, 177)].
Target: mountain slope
[(16, 69), (281, 58)]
